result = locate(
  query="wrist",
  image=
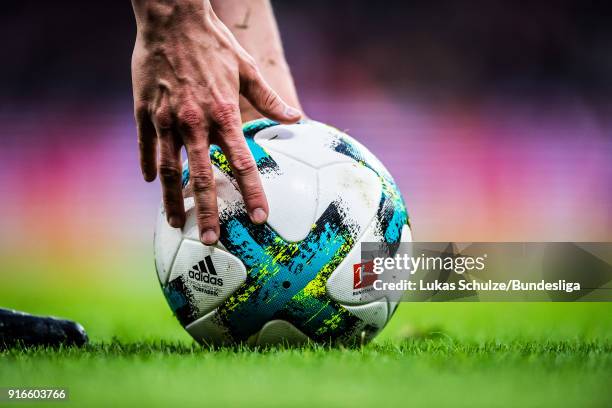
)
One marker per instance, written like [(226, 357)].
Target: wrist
[(156, 16)]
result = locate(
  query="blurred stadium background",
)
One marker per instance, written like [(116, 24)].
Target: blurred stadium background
[(493, 116)]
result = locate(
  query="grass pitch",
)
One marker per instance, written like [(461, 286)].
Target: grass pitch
[(436, 354)]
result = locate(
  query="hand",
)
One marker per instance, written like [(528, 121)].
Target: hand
[(187, 72)]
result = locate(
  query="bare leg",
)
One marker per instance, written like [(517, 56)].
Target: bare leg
[(253, 24)]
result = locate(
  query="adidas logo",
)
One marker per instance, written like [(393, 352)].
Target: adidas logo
[(204, 271)]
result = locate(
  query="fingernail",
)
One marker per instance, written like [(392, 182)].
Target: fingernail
[(289, 111), (258, 216), (209, 237), (148, 177), (175, 221)]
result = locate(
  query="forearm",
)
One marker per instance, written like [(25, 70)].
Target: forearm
[(253, 24)]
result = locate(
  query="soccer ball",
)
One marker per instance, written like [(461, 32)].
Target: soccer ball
[(299, 277)]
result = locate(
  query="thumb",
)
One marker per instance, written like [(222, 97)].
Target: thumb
[(266, 101)]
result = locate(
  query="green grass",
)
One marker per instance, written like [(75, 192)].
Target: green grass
[(414, 372), (443, 354)]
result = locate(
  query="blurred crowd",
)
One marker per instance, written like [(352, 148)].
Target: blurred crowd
[(436, 50)]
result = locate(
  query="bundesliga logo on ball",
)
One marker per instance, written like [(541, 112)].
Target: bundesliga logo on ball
[(363, 275)]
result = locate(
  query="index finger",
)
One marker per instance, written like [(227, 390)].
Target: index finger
[(243, 166)]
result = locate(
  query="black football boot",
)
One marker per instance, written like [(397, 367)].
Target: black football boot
[(18, 328)]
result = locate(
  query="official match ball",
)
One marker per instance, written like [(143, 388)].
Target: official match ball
[(299, 277)]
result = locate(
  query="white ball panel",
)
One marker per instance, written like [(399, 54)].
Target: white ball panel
[(406, 234), (292, 197), (207, 331), (374, 313), (357, 188), (280, 332), (306, 142), (166, 242), (190, 229), (208, 295)]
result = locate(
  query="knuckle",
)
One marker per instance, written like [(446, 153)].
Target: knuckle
[(270, 100), (190, 117), (202, 182), (253, 194), (207, 217), (243, 164), (225, 114), (163, 118), (169, 173), (197, 151)]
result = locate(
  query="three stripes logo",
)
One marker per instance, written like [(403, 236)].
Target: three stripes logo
[(204, 271)]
